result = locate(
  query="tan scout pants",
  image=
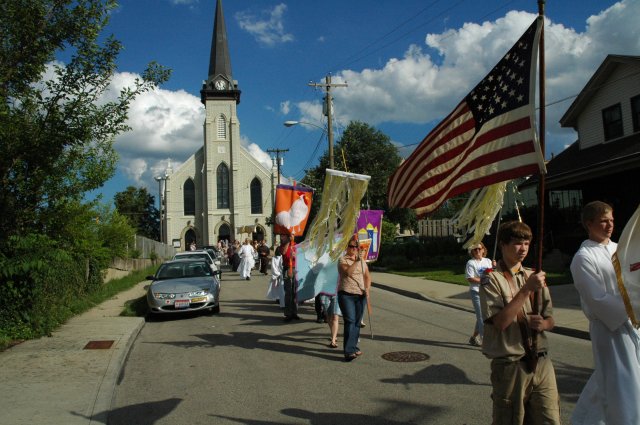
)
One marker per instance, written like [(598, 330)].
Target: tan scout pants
[(524, 398)]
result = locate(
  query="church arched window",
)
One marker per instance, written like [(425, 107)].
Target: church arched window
[(189, 193), (222, 183), (222, 127), (256, 196)]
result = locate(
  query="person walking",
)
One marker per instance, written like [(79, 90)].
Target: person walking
[(474, 269), (288, 268), (523, 379), (263, 256), (612, 394), (353, 286), (276, 283), (246, 260), (332, 313)]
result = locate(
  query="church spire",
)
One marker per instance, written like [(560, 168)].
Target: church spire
[(220, 83)]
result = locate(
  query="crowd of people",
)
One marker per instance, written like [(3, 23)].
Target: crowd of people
[(514, 311)]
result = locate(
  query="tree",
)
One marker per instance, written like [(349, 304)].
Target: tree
[(365, 150), (138, 206), (57, 132)]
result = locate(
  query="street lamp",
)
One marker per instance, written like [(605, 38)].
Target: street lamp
[(160, 179), (329, 135)]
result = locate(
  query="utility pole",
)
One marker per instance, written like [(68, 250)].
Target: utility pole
[(273, 195), (328, 110), (277, 152)]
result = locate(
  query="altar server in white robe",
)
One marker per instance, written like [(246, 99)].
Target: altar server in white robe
[(275, 291), (612, 394), (247, 260)]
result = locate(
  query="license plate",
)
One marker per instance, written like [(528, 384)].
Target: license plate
[(198, 300), (181, 304)]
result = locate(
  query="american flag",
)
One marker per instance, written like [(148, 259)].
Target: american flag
[(488, 138)]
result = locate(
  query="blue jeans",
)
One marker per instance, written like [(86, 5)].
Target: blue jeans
[(475, 300), (352, 307)]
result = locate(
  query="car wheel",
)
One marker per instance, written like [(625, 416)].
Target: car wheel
[(150, 317), (216, 309)]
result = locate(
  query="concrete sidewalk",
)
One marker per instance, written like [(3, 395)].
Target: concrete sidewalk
[(56, 380)]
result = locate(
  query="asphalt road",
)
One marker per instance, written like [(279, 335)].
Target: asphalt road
[(246, 366)]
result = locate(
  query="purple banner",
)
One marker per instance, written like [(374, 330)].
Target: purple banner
[(369, 231)]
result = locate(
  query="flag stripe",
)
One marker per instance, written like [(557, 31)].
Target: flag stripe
[(407, 169), (487, 138), (470, 176), (439, 171)]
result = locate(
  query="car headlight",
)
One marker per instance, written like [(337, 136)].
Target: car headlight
[(163, 296), (199, 293)]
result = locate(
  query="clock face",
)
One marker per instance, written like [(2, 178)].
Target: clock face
[(221, 84)]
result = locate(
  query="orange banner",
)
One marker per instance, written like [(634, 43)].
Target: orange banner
[(293, 204)]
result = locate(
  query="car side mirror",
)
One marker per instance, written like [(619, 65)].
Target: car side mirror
[(150, 277), (218, 273)]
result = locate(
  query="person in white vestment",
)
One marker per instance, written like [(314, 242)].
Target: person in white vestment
[(276, 283), (612, 394), (246, 260)]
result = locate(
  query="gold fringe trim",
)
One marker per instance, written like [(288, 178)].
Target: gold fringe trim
[(623, 291)]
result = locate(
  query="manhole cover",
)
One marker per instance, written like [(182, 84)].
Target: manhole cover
[(405, 356), (99, 345)]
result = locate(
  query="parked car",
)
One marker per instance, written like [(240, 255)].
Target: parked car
[(199, 254), (184, 285), (406, 239)]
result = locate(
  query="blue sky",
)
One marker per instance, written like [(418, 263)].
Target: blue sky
[(407, 63)]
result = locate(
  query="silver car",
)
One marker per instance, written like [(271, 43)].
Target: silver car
[(199, 254), (184, 285)]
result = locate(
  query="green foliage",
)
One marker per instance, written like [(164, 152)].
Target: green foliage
[(432, 252), (388, 232), (366, 150), (138, 206), (56, 126)]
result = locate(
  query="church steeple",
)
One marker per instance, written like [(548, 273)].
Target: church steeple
[(220, 83)]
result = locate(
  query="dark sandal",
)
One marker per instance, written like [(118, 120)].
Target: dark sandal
[(350, 357), (333, 345)]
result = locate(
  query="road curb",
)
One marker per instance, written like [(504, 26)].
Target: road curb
[(107, 389)]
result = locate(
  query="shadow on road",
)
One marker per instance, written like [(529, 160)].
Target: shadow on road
[(398, 413), (435, 374), (139, 414)]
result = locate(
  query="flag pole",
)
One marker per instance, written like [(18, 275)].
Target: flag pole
[(541, 185)]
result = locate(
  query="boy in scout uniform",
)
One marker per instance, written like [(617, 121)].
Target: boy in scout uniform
[(522, 375)]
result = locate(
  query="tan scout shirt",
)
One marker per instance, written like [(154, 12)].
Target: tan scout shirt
[(495, 293), (353, 283)]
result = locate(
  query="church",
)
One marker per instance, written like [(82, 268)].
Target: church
[(221, 191)]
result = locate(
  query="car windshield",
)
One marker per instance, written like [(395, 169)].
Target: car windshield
[(195, 255), (180, 270)]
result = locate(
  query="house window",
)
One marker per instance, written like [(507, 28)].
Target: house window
[(256, 196), (222, 183), (189, 193), (635, 112), (612, 122), (222, 128)]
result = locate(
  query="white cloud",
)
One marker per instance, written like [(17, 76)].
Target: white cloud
[(166, 130), (428, 81), (256, 151), (267, 29), (285, 107)]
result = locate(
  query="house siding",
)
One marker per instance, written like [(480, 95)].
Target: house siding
[(621, 86)]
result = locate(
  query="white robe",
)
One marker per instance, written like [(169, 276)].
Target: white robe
[(246, 261), (612, 394), (275, 291)]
